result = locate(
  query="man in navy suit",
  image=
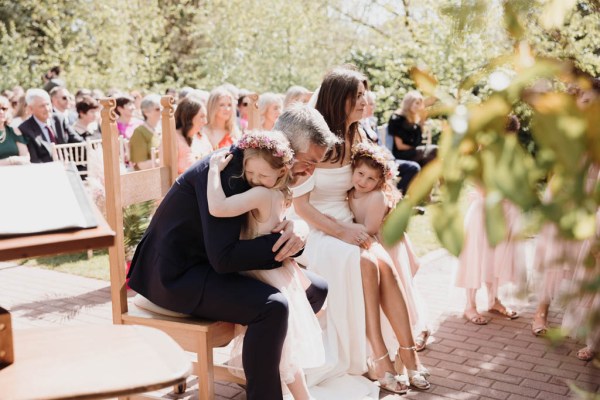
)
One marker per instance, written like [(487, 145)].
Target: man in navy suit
[(188, 261), (44, 127)]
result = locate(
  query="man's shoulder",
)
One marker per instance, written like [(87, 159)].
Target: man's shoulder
[(26, 127)]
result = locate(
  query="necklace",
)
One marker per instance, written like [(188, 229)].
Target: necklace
[(2, 136)]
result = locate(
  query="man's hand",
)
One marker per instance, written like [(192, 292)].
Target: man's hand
[(292, 240)]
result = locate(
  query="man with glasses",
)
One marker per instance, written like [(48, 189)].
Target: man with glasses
[(62, 104)]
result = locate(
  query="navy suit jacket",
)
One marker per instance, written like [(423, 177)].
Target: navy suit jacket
[(184, 242), (40, 150)]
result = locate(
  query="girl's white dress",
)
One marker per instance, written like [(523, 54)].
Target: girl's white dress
[(303, 345), (343, 321)]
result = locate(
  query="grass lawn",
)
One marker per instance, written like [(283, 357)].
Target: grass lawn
[(75, 263)]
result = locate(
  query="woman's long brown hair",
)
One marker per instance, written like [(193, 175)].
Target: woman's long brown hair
[(339, 85)]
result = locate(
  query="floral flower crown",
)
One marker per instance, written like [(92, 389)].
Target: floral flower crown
[(377, 154), (264, 140)]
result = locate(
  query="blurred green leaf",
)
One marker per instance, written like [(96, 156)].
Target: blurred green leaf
[(421, 185), (447, 222), (424, 81), (512, 22), (396, 223)]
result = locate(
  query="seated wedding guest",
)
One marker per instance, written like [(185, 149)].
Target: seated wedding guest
[(242, 109), (126, 123), (368, 123), (269, 109), (13, 148), (192, 145), (296, 94), (406, 127), (21, 111), (221, 129), (44, 128), (88, 115), (59, 96), (145, 138), (188, 261)]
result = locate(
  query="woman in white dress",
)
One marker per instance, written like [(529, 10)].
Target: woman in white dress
[(361, 283)]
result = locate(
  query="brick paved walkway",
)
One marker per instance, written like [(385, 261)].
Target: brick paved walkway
[(502, 360)]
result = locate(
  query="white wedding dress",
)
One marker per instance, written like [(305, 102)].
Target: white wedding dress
[(343, 321)]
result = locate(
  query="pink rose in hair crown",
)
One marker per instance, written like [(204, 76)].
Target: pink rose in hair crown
[(263, 140)]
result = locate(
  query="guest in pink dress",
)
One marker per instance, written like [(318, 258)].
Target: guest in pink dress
[(480, 263), (578, 318), (190, 117)]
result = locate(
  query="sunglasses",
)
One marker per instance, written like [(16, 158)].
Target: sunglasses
[(5, 109), (245, 104)]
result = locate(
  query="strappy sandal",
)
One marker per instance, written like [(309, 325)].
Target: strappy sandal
[(505, 312), (421, 340), (539, 329), (476, 319), (392, 383), (417, 378), (586, 354)]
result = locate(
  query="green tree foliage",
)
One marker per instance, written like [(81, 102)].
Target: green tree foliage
[(152, 44)]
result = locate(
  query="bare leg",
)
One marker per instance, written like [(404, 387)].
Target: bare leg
[(539, 325), (393, 304), (298, 388), (370, 282), (471, 313)]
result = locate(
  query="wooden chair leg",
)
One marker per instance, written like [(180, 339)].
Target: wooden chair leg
[(206, 375), (180, 388)]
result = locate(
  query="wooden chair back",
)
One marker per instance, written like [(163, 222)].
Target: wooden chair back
[(253, 113), (76, 153), (194, 335)]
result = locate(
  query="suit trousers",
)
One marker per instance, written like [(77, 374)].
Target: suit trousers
[(243, 300)]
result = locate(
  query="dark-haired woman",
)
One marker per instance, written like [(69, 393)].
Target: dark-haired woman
[(88, 115), (126, 123), (190, 117), (362, 281)]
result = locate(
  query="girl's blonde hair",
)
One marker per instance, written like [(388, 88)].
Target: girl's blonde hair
[(212, 107), (274, 148)]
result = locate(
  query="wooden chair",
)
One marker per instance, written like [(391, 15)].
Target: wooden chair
[(71, 152), (194, 335)]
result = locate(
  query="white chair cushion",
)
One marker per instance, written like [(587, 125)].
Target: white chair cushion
[(142, 302)]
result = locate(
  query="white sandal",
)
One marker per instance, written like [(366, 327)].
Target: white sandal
[(389, 382), (416, 378)]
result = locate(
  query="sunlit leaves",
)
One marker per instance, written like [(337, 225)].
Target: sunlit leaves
[(424, 81), (555, 13)]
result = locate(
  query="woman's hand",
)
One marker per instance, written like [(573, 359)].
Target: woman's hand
[(355, 234), (220, 160)]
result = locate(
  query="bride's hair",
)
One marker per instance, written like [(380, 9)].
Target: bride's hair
[(339, 85)]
